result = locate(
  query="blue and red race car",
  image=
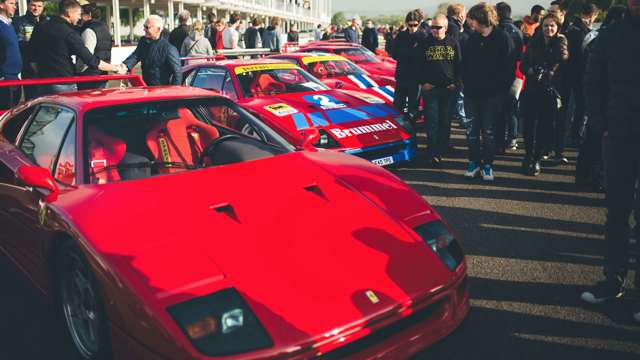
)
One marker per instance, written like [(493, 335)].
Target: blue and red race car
[(290, 100)]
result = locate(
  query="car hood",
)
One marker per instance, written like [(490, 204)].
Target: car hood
[(305, 248), (336, 112)]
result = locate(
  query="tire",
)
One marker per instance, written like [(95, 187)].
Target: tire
[(79, 306)]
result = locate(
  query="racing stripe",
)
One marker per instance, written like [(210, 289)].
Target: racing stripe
[(370, 80), (357, 81), (383, 93), (389, 90)]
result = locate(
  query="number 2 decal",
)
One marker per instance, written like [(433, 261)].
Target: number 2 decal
[(324, 101)]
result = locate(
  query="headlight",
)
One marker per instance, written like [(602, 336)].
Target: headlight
[(326, 141), (406, 124), (442, 242), (220, 324)]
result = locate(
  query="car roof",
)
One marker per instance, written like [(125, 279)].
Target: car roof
[(85, 100)]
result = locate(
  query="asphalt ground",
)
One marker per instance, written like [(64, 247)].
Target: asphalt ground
[(532, 244)]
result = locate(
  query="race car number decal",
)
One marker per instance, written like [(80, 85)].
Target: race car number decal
[(324, 101), (280, 109)]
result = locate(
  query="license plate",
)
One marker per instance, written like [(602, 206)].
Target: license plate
[(383, 161)]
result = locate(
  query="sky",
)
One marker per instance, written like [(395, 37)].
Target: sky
[(381, 7)]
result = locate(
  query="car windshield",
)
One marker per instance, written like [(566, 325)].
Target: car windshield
[(328, 68), (145, 139), (272, 79), (357, 55)]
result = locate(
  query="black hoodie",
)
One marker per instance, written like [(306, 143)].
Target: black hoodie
[(487, 64), (404, 51)]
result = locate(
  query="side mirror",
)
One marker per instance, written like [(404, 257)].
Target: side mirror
[(310, 136), (39, 177)]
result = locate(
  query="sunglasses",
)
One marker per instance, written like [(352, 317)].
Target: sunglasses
[(436, 27), (413, 24)]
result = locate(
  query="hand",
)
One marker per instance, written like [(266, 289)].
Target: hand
[(122, 69), (427, 87), (451, 87)]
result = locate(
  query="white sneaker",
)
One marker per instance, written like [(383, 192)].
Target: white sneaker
[(487, 173), (473, 170)]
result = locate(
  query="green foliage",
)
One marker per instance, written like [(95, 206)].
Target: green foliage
[(395, 20), (338, 19)]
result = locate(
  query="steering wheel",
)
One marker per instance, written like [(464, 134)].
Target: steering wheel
[(209, 149)]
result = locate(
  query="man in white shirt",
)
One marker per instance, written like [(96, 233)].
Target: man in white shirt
[(230, 35)]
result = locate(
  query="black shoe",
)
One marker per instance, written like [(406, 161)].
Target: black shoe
[(435, 161), (604, 291), (534, 169)]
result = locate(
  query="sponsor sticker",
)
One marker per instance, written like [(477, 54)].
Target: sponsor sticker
[(263, 67), (364, 129), (280, 109), (371, 99), (314, 59)]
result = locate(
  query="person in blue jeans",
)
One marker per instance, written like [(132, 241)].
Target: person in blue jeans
[(441, 64), (488, 73)]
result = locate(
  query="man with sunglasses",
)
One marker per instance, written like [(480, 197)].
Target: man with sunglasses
[(441, 63), (404, 51)]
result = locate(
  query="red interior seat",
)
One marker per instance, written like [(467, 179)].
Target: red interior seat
[(180, 140), (266, 84), (104, 150)]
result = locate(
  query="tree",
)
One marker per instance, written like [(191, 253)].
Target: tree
[(338, 19)]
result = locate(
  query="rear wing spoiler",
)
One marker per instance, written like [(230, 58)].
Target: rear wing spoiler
[(235, 53), (134, 80)]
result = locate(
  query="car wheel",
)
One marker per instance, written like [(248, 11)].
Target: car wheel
[(80, 306)]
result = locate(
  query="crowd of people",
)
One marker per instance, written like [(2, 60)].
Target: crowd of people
[(562, 80), (75, 42)]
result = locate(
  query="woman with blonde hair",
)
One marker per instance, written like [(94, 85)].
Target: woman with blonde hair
[(196, 44)]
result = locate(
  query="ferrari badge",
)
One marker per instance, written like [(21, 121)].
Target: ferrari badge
[(372, 297)]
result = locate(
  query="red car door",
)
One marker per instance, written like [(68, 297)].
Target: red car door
[(39, 144)]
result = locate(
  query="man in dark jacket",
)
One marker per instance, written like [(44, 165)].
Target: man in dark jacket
[(405, 98), (252, 38), (611, 89), (177, 35), (487, 76), (160, 61), (351, 33), (440, 59), (576, 65), (510, 114), (55, 41), (10, 60), (370, 37), (456, 13), (97, 38), (25, 25)]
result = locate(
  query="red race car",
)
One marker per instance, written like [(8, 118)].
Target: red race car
[(290, 100), (359, 55), (339, 73), (160, 232)]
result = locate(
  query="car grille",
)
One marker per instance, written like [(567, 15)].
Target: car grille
[(383, 334), (379, 153)]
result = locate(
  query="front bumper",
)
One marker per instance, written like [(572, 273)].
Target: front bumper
[(400, 151)]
